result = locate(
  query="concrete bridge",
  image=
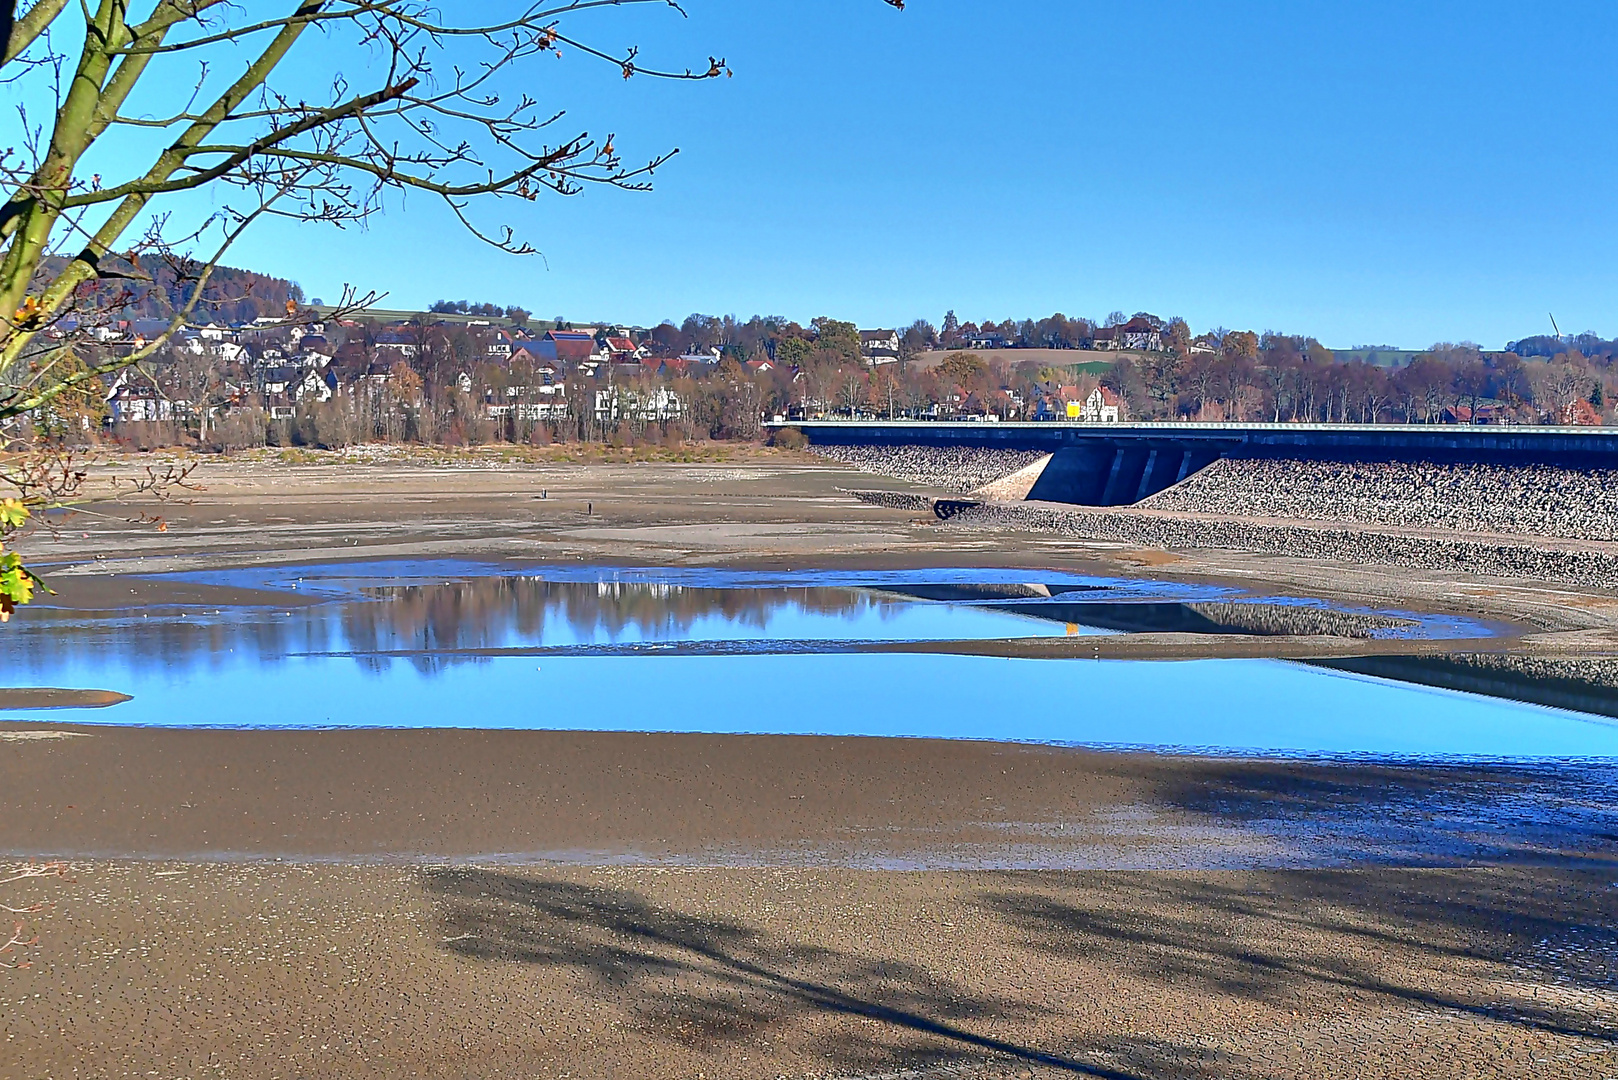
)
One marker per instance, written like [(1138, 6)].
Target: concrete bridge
[(1116, 464)]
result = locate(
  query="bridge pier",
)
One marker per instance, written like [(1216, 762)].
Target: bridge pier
[(1185, 467), (1146, 476), (1112, 478)]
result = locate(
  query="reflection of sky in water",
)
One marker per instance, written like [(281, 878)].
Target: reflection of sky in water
[(496, 613), (1226, 705), (258, 665)]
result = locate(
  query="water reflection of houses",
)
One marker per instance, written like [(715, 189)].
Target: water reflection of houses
[(421, 622)]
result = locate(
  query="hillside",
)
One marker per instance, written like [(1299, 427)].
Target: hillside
[(1088, 361), (1388, 358), (156, 290)]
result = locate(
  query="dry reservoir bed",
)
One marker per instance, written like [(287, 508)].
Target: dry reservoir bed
[(329, 903), (287, 971), (535, 903)]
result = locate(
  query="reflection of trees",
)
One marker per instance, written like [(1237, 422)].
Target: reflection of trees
[(490, 612), (478, 613)]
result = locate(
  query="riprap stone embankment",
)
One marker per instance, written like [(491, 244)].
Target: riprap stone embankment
[(1537, 500), (949, 468), (1470, 555)]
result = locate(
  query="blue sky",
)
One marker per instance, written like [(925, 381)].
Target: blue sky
[(1375, 173)]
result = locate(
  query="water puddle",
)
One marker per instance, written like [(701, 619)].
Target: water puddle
[(469, 645)]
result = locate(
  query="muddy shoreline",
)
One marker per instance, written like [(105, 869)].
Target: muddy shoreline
[(568, 797), (451, 904)]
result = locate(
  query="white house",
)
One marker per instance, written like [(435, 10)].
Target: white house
[(879, 346), (500, 343), (133, 398), (617, 403), (1137, 333), (397, 342), (1102, 407)]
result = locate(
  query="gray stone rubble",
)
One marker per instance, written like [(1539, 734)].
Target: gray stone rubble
[(950, 468), (893, 500), (1490, 558), (1299, 619), (1538, 500)]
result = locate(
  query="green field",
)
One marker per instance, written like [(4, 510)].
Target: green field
[(394, 315), (1059, 359), (1388, 358)]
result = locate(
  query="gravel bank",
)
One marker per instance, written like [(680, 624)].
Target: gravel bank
[(952, 468), (1535, 499), (1299, 619), (1359, 547), (894, 500)]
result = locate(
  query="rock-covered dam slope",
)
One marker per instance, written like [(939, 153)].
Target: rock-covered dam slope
[(1538, 500)]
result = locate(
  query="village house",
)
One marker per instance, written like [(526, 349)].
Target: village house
[(879, 346), (396, 342), (1138, 333), (134, 398), (315, 349), (699, 360), (619, 349), (566, 346), (1102, 407), (500, 344), (649, 406)]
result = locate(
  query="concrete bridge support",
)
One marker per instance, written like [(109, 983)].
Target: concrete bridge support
[(1113, 464)]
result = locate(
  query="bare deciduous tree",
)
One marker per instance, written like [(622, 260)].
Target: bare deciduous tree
[(189, 95), (427, 113)]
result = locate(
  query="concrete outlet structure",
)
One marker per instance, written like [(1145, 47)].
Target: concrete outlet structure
[(1118, 464)]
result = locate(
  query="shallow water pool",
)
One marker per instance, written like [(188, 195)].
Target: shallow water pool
[(470, 645)]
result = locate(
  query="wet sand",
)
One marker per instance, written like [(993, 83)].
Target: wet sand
[(550, 904), (758, 509), (683, 799), (553, 904), (295, 971)]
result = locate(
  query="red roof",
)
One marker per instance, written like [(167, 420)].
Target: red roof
[(571, 344)]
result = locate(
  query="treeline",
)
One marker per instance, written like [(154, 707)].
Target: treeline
[(762, 335), (517, 315), (157, 288), (1587, 344), (1279, 378)]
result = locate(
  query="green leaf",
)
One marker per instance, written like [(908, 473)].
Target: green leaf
[(17, 584), (12, 514)]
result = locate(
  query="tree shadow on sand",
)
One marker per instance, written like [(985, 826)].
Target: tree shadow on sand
[(1407, 938), (706, 982), (1556, 814)]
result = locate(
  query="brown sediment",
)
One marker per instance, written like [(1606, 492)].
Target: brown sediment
[(1164, 646), (745, 930), (12, 698), (768, 510), (265, 971), (680, 799)]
